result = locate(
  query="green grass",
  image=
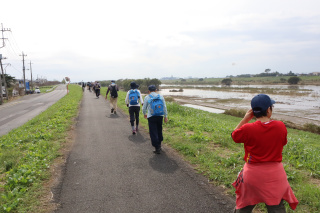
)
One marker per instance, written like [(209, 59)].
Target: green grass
[(45, 89), (27, 153), (204, 140)]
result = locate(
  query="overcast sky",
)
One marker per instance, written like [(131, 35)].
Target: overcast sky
[(103, 39)]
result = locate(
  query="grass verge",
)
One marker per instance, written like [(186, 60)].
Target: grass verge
[(204, 140), (27, 153)]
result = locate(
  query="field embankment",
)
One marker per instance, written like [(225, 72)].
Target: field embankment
[(28, 152), (204, 140)]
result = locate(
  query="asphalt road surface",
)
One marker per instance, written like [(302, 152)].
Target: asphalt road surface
[(111, 170), (18, 112)]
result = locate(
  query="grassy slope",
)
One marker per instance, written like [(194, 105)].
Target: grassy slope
[(27, 153), (204, 140)]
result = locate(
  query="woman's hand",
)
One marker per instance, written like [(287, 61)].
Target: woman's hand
[(249, 115)]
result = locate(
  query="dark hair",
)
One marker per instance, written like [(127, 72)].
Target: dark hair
[(152, 88), (258, 113)]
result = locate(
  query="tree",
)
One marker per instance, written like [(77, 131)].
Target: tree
[(63, 81), (226, 81), (267, 70), (294, 80), (10, 81), (291, 74)]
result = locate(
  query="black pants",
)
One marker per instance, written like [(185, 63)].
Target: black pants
[(134, 114), (155, 130), (97, 92)]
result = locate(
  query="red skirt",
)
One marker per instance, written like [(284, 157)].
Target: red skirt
[(263, 183)]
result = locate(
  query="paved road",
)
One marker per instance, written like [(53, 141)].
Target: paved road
[(110, 170), (18, 112)]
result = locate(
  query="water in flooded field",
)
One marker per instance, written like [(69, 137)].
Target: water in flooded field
[(303, 106)]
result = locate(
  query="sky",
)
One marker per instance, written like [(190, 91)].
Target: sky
[(104, 40)]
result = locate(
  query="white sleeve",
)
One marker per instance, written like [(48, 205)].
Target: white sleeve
[(127, 98), (141, 100)]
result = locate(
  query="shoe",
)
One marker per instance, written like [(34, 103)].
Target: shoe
[(137, 129), (133, 132), (157, 151), (112, 110), (115, 112)]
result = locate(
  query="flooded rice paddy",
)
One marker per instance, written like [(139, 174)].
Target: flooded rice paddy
[(298, 102)]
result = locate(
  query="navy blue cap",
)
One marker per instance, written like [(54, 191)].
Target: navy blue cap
[(261, 103), (113, 81), (152, 88), (133, 85)]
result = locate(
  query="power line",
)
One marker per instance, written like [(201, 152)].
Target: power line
[(15, 42)]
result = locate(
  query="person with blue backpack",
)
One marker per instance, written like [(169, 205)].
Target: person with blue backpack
[(155, 110), (133, 100)]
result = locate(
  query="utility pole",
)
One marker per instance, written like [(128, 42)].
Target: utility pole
[(3, 30), (1, 81), (3, 44), (31, 76), (24, 73), (4, 79)]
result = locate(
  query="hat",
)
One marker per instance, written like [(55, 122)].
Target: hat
[(133, 85), (152, 88), (261, 102), (113, 81)]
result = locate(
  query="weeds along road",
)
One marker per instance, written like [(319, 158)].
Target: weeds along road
[(18, 112), (111, 170)]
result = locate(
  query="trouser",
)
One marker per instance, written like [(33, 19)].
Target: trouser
[(134, 114), (155, 130), (271, 209), (97, 92), (113, 103)]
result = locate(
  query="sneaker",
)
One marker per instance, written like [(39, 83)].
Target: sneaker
[(157, 151), (133, 132), (137, 129), (112, 110), (115, 112)]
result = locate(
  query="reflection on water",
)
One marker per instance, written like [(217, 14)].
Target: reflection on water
[(208, 109), (307, 106)]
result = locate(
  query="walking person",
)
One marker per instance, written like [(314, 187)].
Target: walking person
[(155, 110), (132, 101), (263, 178), (113, 89), (83, 86), (97, 89)]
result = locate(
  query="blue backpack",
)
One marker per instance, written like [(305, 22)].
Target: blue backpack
[(156, 105), (134, 97)]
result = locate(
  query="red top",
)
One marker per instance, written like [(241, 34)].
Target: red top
[(263, 142)]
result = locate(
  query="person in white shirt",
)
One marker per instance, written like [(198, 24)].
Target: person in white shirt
[(133, 100)]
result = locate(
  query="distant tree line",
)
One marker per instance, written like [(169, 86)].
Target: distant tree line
[(143, 83), (266, 73)]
